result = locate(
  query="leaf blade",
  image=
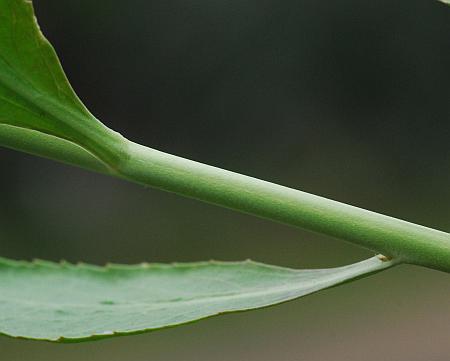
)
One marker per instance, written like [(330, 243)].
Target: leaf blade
[(68, 303), (34, 90)]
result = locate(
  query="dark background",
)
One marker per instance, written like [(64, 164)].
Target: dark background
[(348, 100)]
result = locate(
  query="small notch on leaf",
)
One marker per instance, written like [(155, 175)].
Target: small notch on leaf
[(384, 258)]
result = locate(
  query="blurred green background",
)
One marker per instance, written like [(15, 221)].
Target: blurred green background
[(349, 100)]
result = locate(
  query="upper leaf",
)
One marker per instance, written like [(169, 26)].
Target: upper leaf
[(34, 91), (67, 303)]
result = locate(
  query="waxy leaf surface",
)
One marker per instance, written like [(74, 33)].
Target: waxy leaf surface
[(34, 91), (70, 303)]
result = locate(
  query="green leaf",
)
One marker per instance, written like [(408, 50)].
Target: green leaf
[(70, 303), (34, 91)]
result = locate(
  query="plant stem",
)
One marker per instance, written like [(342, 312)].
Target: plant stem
[(405, 241), (393, 237)]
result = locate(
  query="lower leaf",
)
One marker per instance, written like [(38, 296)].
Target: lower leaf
[(69, 303)]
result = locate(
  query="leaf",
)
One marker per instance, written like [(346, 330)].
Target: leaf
[(70, 303), (34, 91)]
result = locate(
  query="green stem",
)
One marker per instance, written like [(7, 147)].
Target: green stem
[(408, 242), (393, 237)]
